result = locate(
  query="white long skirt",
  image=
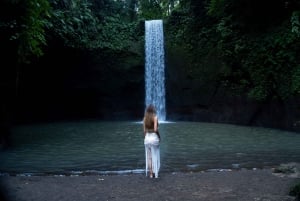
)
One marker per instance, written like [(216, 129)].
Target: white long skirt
[(152, 153)]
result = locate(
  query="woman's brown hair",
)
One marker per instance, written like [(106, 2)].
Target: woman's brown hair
[(149, 116)]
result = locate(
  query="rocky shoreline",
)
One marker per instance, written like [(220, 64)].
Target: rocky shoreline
[(230, 185)]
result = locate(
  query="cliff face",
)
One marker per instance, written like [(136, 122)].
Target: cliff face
[(78, 85), (70, 84), (197, 94)]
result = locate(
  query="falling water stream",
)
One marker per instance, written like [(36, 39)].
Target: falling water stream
[(155, 67)]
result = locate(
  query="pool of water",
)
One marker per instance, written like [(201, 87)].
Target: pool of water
[(117, 147)]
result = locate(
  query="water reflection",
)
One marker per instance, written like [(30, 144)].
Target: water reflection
[(112, 147)]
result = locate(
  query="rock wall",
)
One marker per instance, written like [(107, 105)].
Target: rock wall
[(97, 85), (195, 94)]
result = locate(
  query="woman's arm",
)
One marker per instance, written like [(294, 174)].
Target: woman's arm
[(144, 127), (156, 126)]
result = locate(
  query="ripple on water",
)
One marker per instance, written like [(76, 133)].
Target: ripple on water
[(117, 147)]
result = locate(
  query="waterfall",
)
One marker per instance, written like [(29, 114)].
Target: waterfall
[(155, 67)]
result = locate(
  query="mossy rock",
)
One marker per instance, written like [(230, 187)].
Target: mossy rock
[(289, 168), (295, 191)]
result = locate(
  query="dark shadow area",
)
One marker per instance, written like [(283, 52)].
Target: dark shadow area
[(3, 192)]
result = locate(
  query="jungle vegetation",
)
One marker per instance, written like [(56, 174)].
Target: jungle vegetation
[(256, 43)]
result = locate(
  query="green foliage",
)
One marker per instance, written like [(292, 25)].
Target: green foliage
[(263, 62), (216, 8), (259, 49), (115, 34), (250, 15), (79, 27), (156, 9), (191, 35), (266, 62), (86, 24), (295, 191), (150, 9), (32, 30), (75, 24), (295, 23), (295, 83)]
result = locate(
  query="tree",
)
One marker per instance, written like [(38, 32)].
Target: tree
[(27, 26), (258, 46)]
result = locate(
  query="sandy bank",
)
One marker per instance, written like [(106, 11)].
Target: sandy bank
[(241, 185)]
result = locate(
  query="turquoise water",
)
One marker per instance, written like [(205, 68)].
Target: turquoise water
[(116, 147)]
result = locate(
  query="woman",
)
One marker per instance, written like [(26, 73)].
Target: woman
[(151, 141)]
